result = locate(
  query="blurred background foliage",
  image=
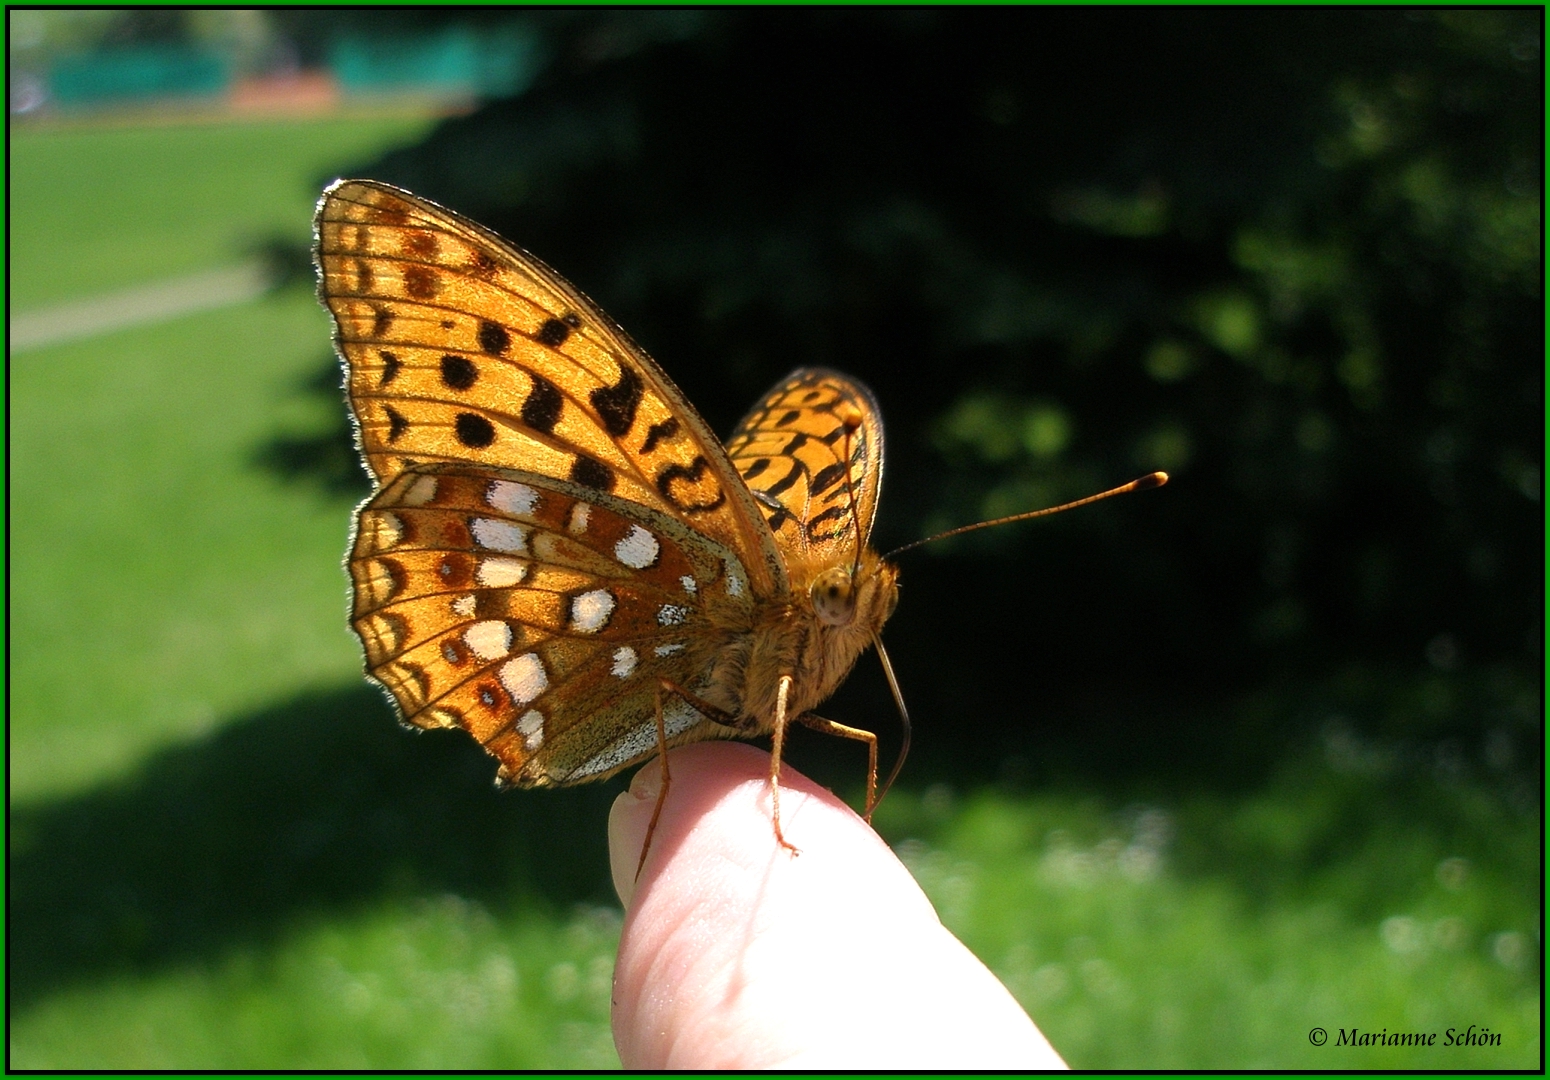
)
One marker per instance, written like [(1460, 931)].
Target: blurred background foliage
[(1290, 257), (1271, 735)]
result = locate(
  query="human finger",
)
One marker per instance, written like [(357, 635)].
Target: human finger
[(737, 954)]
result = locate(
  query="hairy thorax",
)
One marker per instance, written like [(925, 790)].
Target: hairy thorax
[(814, 634)]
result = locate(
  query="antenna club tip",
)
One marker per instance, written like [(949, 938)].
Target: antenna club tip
[(850, 417), (1155, 480)]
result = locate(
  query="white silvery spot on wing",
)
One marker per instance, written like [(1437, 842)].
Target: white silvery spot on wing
[(499, 535), (510, 497), (489, 640), (498, 573), (672, 615), (532, 728), (690, 585), (421, 491), (735, 585), (577, 524), (464, 606), (624, 661), (589, 612), (524, 678), (638, 550), (669, 650)]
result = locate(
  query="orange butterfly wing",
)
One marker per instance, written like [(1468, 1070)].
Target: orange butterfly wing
[(538, 615), (790, 451), (460, 347), (551, 515)]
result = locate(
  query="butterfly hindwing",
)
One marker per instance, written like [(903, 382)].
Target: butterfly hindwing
[(790, 450), (537, 614)]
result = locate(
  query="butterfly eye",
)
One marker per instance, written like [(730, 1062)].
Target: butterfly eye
[(834, 598)]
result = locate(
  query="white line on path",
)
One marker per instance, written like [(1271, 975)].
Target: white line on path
[(140, 305)]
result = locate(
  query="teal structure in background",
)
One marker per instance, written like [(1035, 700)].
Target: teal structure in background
[(144, 72), (455, 60)]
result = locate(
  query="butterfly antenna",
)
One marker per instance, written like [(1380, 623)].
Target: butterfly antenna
[(904, 717), (1151, 480), (851, 418)]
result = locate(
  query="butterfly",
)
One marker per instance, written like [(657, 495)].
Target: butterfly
[(559, 557)]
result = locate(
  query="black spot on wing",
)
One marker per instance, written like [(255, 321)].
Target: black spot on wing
[(382, 318), (458, 372), (616, 404), (491, 696), (552, 333), (788, 417), (541, 410), (798, 441), (757, 468), (397, 425), (493, 338), (390, 366), (474, 430), (363, 276), (657, 432), (691, 473), (592, 473)]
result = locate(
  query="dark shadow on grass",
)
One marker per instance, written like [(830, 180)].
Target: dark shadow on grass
[(318, 805), (327, 458)]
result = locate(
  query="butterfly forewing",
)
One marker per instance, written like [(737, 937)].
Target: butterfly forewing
[(462, 348), (790, 450), (537, 614)]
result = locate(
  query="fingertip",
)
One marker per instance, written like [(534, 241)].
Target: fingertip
[(737, 954), (628, 820), (719, 901)]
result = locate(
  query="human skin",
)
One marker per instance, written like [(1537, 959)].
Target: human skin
[(737, 954)]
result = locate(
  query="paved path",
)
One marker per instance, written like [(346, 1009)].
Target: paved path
[(138, 306)]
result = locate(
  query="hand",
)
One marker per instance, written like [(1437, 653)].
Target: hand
[(738, 955)]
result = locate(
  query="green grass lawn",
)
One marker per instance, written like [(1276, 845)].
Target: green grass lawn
[(225, 855), (95, 209), (160, 580), (353, 898)]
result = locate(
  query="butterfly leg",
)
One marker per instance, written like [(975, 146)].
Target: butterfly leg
[(699, 705), (746, 727), (782, 691), (829, 727), (667, 782)]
